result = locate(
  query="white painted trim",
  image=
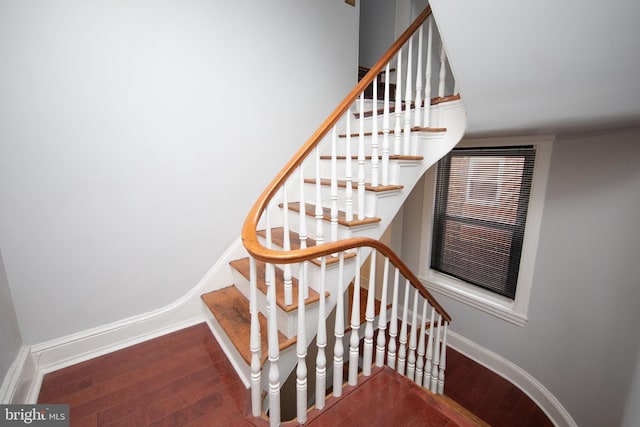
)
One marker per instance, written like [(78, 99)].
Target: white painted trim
[(20, 375), (513, 311), (184, 312), (540, 395)]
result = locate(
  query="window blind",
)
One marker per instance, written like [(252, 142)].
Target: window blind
[(482, 197)]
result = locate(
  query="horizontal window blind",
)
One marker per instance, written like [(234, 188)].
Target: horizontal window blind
[(482, 196)]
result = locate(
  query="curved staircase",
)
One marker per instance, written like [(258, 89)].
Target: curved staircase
[(313, 259)]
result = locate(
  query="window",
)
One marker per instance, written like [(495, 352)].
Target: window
[(482, 195), (484, 204)]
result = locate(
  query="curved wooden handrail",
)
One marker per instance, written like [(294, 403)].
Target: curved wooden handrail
[(249, 230)]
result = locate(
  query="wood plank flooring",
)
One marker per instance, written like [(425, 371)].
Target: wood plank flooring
[(185, 379)]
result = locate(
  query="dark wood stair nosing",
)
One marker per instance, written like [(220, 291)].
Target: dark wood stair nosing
[(354, 184), (392, 132)]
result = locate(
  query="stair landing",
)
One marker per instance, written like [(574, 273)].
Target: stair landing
[(383, 399)]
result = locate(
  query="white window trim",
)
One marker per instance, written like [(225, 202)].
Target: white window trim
[(514, 311)]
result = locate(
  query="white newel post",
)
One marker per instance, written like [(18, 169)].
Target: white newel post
[(436, 357), (413, 338), (382, 317), (393, 324), (301, 351), (428, 365), (256, 372), (338, 348), (443, 360), (354, 341), (421, 345), (274, 350), (402, 351), (321, 341), (367, 356)]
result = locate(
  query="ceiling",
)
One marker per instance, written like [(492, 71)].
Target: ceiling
[(545, 66)]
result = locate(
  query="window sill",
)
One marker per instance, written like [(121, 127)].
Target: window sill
[(488, 302)]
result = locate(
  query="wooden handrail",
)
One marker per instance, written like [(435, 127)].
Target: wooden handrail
[(249, 230)]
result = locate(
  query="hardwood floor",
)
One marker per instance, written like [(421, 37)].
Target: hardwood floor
[(185, 379)]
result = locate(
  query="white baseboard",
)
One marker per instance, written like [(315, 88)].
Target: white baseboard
[(516, 375), (18, 380), (75, 348)]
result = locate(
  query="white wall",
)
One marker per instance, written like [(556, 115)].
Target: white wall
[(134, 137), (10, 338), (581, 340)]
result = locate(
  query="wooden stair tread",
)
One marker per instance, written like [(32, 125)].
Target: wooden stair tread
[(391, 131), (231, 310), (354, 185), (434, 101), (310, 210), (242, 266), (277, 238), (391, 157)]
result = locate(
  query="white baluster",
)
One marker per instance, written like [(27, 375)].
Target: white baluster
[(443, 71), (398, 110), (370, 315), (393, 324), (436, 357), (402, 351), (348, 191), (374, 136), (301, 351), (318, 210), (385, 129), (302, 231), (361, 160), (428, 365), (406, 150), (321, 341), (256, 372), (413, 339), (427, 84), (274, 351), (421, 345), (443, 360), (382, 317), (338, 348), (334, 186), (288, 287), (354, 341), (419, 103)]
